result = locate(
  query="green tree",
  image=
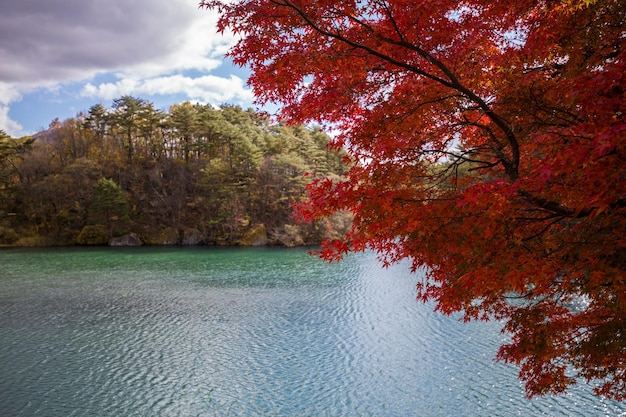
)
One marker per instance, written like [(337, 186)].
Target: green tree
[(126, 122), (58, 203), (151, 122), (10, 151), (97, 120), (219, 170), (183, 120), (109, 206)]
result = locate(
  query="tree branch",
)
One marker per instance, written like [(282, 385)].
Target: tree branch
[(511, 166)]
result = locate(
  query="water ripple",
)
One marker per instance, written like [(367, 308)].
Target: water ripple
[(168, 332)]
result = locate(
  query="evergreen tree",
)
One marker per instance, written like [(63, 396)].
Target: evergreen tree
[(109, 206)]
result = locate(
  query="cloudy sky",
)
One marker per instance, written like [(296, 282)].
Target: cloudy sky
[(58, 58)]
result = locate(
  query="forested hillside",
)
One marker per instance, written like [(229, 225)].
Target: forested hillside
[(193, 175)]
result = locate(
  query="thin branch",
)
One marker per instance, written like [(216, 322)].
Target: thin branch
[(453, 82)]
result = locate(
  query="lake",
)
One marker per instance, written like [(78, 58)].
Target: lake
[(244, 332)]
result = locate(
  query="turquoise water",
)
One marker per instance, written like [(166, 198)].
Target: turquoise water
[(243, 332)]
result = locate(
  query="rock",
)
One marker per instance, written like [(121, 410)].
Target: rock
[(289, 236), (255, 237), (126, 240), (192, 237), (169, 236)]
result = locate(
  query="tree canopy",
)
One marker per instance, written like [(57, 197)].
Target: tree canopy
[(222, 175), (488, 142)]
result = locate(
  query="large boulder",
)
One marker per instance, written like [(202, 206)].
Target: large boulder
[(288, 235), (126, 240), (257, 236)]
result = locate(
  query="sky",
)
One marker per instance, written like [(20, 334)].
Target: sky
[(59, 58)]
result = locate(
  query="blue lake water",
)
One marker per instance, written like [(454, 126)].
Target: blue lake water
[(244, 332)]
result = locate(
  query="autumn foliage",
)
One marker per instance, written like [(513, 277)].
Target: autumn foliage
[(488, 143)]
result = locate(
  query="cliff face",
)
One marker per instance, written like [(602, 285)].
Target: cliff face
[(194, 176)]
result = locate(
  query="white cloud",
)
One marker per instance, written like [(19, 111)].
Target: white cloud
[(149, 46), (9, 94), (43, 41), (11, 127), (207, 88)]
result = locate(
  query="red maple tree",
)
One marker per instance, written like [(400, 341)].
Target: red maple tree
[(488, 145)]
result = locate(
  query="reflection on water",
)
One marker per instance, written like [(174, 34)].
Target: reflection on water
[(243, 332)]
